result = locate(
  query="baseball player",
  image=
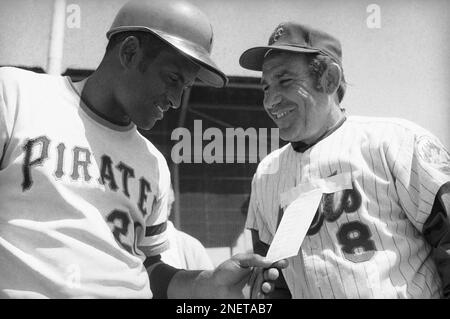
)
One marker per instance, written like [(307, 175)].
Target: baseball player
[(83, 194), (381, 229)]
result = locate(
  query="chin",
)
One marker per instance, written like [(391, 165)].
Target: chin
[(145, 125), (289, 135)]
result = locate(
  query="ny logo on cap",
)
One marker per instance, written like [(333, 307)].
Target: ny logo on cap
[(278, 33)]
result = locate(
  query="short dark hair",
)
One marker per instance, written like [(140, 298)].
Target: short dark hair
[(151, 43), (318, 64)]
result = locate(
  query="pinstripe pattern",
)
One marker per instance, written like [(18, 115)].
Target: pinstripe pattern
[(374, 250)]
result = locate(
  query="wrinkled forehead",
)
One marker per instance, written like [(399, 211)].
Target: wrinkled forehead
[(279, 61)]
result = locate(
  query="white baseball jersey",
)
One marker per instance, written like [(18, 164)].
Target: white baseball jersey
[(364, 242), (185, 252), (83, 201)]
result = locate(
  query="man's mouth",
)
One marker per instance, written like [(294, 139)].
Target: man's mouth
[(279, 115)]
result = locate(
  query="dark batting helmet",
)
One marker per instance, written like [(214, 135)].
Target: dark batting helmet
[(178, 23)]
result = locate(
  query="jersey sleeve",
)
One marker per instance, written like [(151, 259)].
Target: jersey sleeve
[(155, 239), (255, 216), (7, 112), (195, 253), (421, 166)]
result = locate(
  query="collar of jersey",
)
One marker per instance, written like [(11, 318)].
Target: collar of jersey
[(301, 147), (96, 116)]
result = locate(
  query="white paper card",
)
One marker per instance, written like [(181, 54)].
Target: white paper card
[(328, 185), (294, 225)]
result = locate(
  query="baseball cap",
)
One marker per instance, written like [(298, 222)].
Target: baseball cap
[(293, 37)]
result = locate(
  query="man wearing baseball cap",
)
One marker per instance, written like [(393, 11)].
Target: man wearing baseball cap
[(381, 228), (84, 195)]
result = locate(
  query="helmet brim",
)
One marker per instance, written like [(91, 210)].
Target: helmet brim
[(209, 72)]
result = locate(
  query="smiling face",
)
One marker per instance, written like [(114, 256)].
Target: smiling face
[(301, 112), (149, 87)]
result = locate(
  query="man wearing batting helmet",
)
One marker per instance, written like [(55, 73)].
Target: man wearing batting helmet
[(381, 229), (83, 194)]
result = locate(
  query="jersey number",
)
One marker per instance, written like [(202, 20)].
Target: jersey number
[(354, 238), (120, 222)]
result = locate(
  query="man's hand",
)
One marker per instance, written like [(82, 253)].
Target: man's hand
[(234, 278), (268, 283), (263, 283)]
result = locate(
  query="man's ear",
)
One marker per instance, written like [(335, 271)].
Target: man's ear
[(331, 78), (129, 52)]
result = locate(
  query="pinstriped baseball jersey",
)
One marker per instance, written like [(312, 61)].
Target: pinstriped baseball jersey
[(83, 201), (364, 242)]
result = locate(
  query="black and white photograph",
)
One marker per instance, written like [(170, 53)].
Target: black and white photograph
[(209, 149)]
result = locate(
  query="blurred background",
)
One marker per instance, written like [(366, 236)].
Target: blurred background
[(396, 61)]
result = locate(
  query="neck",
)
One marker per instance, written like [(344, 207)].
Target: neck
[(335, 117), (302, 146), (97, 92)]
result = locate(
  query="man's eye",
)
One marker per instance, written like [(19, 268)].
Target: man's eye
[(285, 81), (173, 77), (265, 88)]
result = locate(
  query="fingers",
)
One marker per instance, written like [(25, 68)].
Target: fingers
[(271, 274), (256, 292), (255, 260), (267, 287), (264, 274), (244, 271), (281, 264), (251, 260), (253, 278), (262, 288), (263, 282)]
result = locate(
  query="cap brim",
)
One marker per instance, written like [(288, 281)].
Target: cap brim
[(209, 72), (253, 58)]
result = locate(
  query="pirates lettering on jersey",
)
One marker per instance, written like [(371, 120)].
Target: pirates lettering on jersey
[(42, 141), (37, 151)]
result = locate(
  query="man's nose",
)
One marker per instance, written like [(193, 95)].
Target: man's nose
[(271, 98), (176, 99)]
